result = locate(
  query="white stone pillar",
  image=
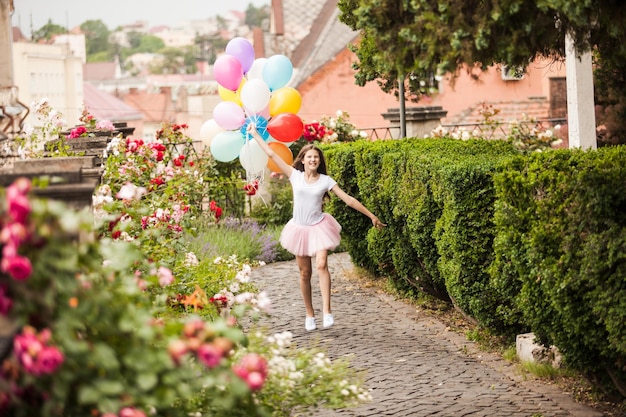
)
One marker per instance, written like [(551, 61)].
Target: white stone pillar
[(581, 119), (6, 44)]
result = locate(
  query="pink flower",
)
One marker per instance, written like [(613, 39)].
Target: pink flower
[(48, 360), (193, 327), (210, 355), (19, 267), (21, 186), (165, 276), (77, 132), (177, 349), (131, 412), (13, 234), (132, 144), (105, 125), (253, 370), (33, 352)]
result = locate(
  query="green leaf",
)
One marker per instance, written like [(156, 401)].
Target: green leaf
[(110, 387), (121, 254), (88, 395), (105, 357), (146, 381)]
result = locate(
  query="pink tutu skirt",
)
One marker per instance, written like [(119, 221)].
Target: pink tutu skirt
[(308, 240)]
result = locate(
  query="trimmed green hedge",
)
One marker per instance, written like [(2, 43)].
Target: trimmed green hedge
[(517, 242), (561, 252)]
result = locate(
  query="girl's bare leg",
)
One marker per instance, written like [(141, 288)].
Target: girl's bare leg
[(304, 264), (321, 263)]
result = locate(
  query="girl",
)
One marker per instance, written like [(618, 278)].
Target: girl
[(311, 232)]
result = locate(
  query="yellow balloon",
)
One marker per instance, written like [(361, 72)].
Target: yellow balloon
[(285, 100), (229, 95)]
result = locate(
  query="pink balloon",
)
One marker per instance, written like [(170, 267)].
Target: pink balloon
[(243, 50), (228, 72), (228, 115)]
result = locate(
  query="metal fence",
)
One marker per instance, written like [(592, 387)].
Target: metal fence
[(490, 130), (501, 130)]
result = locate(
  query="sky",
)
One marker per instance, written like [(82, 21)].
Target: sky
[(119, 12)]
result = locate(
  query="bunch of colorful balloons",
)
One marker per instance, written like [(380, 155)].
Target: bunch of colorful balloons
[(253, 91)]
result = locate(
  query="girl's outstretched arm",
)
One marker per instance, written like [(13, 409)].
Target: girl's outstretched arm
[(284, 166), (356, 204)]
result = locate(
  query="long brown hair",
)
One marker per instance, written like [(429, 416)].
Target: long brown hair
[(297, 163)]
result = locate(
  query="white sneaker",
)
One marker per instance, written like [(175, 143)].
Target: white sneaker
[(309, 323), (328, 320)]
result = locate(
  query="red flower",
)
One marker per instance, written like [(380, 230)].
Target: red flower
[(179, 161)]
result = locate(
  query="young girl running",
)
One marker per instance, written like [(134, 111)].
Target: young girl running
[(311, 232)]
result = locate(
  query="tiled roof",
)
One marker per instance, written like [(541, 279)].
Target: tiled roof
[(105, 106), (297, 18), (328, 37), (313, 35), (156, 107)]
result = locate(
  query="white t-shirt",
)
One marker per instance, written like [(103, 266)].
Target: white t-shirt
[(307, 198)]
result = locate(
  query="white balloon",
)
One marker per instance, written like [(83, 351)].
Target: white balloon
[(252, 157), (255, 95), (256, 70), (208, 131)]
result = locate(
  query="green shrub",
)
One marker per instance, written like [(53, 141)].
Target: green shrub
[(561, 247), (278, 209)]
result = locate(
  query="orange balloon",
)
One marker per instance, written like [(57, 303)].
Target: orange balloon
[(281, 150)]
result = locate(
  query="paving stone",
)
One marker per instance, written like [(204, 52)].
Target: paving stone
[(414, 366)]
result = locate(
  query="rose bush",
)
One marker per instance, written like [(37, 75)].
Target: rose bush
[(333, 129), (111, 314)]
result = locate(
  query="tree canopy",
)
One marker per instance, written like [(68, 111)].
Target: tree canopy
[(422, 38), (47, 31)]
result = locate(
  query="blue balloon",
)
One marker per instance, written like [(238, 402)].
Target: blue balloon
[(261, 126), (225, 146), (277, 71)]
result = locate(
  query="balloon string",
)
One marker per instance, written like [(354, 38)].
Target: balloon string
[(251, 175)]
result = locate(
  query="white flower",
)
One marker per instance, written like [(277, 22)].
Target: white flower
[(264, 302), (130, 192), (234, 287), (191, 259)]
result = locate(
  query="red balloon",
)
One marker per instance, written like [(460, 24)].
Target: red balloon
[(285, 127)]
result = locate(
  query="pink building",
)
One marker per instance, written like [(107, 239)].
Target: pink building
[(316, 41)]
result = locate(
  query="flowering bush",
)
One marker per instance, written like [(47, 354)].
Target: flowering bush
[(333, 129), (292, 372), (95, 338), (111, 313), (48, 137), (88, 337), (30, 144)]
